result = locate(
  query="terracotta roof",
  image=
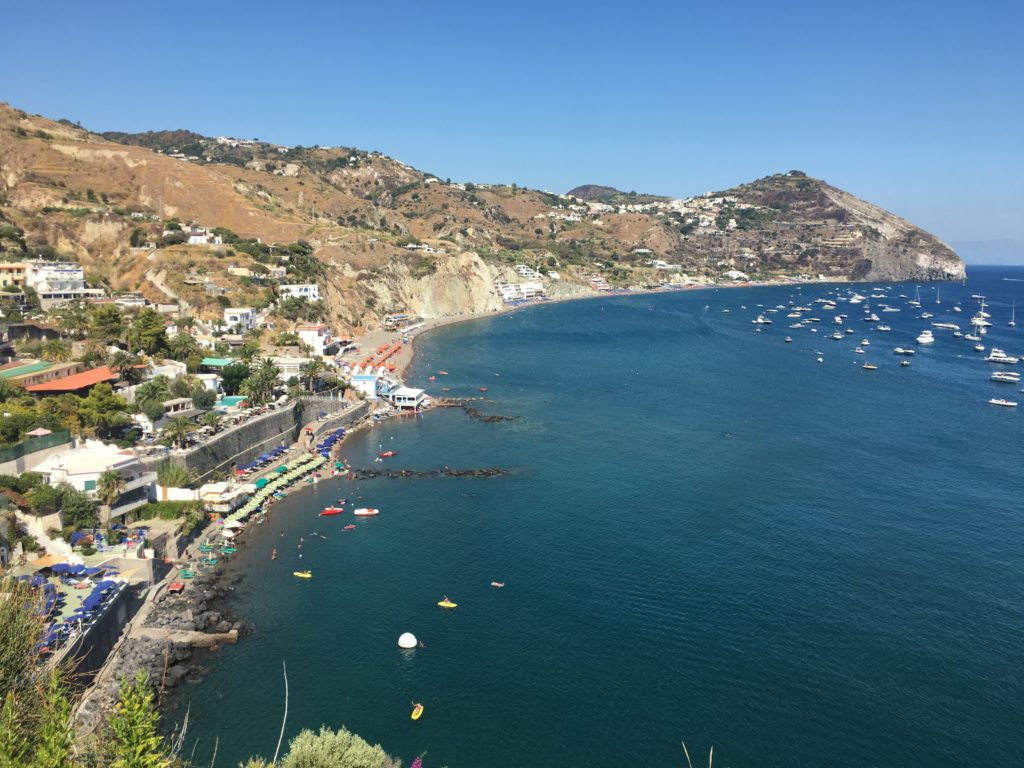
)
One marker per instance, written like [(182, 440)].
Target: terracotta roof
[(76, 381)]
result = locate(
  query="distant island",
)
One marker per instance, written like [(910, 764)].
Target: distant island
[(207, 219)]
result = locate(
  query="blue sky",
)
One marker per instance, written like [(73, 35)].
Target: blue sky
[(918, 107)]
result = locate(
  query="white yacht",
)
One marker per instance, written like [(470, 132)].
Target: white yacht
[(1002, 402), (837, 336), (926, 337), (902, 351), (1007, 377), (883, 328), (859, 351), (979, 347), (997, 355), (865, 343), (946, 326), (838, 320), (761, 320)]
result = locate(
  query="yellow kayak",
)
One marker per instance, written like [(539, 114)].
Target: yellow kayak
[(416, 712), (302, 574), (446, 603)]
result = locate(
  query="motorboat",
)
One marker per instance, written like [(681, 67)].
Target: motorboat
[(859, 351), (997, 355), (761, 320), (883, 328), (946, 326), (329, 511), (387, 454), (849, 330), (1006, 377), (1002, 402), (349, 527), (979, 347), (302, 574), (904, 363), (789, 339), (498, 584), (926, 337), (837, 336), (902, 351), (366, 512), (869, 367), (865, 343)]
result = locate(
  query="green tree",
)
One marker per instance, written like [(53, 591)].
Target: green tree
[(210, 419), (259, 387), (107, 324), (203, 398), (148, 332), (101, 410), (127, 366), (79, 510), (182, 346), (312, 371), (176, 430), (56, 351), (94, 352), (232, 377), (72, 319), (133, 731), (174, 474), (44, 500), (110, 486), (330, 749), (153, 409)]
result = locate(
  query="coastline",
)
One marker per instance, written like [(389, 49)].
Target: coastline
[(136, 646)]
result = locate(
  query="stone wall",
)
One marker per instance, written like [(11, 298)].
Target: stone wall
[(91, 649)]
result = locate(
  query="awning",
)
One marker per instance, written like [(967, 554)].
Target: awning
[(39, 432)]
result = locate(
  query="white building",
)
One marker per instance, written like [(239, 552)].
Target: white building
[(308, 291), (290, 366), (202, 236), (315, 335), (511, 292), (224, 498), (243, 317), (83, 465), (527, 272), (408, 398), (57, 282), (365, 382)]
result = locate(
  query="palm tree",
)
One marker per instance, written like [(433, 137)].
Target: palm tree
[(110, 486), (126, 365), (312, 370), (72, 319), (56, 351), (94, 352), (210, 419), (259, 387), (183, 346), (177, 429)]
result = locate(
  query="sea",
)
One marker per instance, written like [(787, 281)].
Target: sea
[(706, 535)]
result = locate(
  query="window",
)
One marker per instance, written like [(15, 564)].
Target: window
[(90, 485)]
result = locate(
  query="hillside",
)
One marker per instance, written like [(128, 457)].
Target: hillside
[(65, 190)]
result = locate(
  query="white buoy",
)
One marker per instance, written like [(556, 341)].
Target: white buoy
[(407, 640)]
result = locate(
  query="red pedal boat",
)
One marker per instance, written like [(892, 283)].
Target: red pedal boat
[(328, 511)]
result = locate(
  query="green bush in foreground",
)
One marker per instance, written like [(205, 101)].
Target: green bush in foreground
[(331, 749)]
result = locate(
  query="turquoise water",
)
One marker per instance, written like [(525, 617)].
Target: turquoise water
[(706, 536)]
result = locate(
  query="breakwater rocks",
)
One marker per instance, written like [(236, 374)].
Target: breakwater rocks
[(370, 474), (466, 405)]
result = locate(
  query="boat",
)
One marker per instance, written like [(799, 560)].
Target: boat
[(498, 584), (938, 294), (869, 367), (761, 320), (1007, 377), (302, 574), (1013, 315), (997, 355), (431, 378), (366, 512), (979, 347), (349, 527), (442, 373), (926, 337), (446, 603), (837, 336), (789, 339), (1002, 402), (902, 351), (946, 326), (883, 328), (417, 712), (865, 343), (859, 351), (387, 454), (904, 363), (483, 389), (328, 511)]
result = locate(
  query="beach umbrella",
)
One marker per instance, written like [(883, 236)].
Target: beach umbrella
[(232, 524), (228, 534), (262, 482), (281, 469)]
